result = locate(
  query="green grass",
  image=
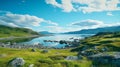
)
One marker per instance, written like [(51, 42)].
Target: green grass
[(109, 40), (54, 58), (6, 31)]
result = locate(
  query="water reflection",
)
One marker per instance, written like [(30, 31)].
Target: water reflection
[(54, 40), (66, 37)]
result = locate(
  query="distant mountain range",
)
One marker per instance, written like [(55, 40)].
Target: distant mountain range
[(45, 32), (97, 30)]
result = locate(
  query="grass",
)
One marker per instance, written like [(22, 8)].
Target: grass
[(109, 40), (15, 34), (41, 59), (56, 57), (6, 31)]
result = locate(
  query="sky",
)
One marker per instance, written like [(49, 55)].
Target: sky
[(60, 15)]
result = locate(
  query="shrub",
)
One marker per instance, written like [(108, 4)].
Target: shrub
[(57, 57), (48, 61)]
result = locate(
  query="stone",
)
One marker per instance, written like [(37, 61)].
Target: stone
[(104, 49), (31, 65), (17, 62), (14, 43), (106, 58), (71, 58), (80, 57)]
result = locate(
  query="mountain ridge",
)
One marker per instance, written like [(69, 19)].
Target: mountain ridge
[(45, 32), (95, 31)]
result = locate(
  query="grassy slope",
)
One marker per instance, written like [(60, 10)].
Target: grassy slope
[(54, 58), (109, 40), (6, 31)]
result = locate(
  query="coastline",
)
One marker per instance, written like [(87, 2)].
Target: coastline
[(14, 37)]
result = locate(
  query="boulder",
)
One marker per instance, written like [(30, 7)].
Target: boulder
[(102, 58), (80, 57), (31, 65), (17, 62), (71, 58)]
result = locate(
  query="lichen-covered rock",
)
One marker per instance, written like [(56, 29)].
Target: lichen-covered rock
[(31, 65), (71, 58), (105, 58), (17, 62)]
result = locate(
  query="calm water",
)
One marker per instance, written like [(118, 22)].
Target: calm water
[(57, 37)]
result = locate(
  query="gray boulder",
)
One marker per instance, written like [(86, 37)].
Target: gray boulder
[(71, 58), (17, 62)]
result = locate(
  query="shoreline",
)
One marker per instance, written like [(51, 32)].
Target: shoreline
[(14, 37)]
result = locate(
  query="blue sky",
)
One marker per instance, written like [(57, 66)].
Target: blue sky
[(60, 15)]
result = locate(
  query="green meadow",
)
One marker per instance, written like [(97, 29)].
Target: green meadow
[(54, 58)]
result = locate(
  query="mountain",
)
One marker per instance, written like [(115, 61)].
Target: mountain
[(45, 32), (94, 31), (6, 31)]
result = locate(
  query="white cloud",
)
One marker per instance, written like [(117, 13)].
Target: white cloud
[(54, 3), (112, 24), (67, 6), (84, 24), (18, 20), (87, 23), (89, 6), (52, 23), (109, 14), (21, 20), (90, 24)]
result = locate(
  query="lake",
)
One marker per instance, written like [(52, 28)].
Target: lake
[(55, 37)]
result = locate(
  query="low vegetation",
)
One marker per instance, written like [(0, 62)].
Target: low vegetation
[(6, 31), (54, 58), (108, 40)]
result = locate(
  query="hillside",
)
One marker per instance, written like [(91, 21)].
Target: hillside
[(95, 31), (6, 31), (109, 41), (100, 43)]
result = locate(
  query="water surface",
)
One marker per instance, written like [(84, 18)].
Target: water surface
[(56, 37)]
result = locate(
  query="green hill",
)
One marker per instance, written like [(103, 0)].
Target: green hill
[(6, 31), (107, 40)]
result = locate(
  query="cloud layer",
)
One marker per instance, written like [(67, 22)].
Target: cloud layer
[(86, 6), (90, 23), (18, 20), (87, 23), (35, 23)]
